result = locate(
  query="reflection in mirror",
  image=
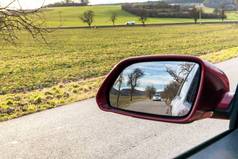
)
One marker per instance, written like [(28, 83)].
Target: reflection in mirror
[(162, 88)]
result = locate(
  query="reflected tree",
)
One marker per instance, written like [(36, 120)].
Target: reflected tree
[(179, 75), (133, 80), (185, 69), (170, 91), (150, 91), (119, 83), (174, 74)]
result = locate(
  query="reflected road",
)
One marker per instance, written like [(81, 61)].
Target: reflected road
[(149, 106)]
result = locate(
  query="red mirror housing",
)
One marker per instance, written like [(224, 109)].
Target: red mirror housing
[(213, 92)]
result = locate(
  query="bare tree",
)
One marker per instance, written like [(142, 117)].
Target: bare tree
[(195, 14), (113, 18), (88, 17), (223, 15), (170, 91), (182, 72), (143, 16), (179, 75), (133, 80), (150, 91), (185, 69), (14, 20), (119, 83), (222, 12), (175, 75)]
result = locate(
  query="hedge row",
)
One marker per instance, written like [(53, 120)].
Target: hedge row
[(167, 12)]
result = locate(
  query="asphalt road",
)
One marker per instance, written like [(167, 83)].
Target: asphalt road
[(82, 131), (152, 107)]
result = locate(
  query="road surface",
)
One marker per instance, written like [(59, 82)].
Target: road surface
[(149, 106), (82, 131)]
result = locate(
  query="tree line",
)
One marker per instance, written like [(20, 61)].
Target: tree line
[(164, 10), (69, 3), (88, 17)]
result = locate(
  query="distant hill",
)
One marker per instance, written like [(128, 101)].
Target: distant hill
[(126, 92)]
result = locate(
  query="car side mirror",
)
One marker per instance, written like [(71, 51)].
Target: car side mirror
[(177, 89)]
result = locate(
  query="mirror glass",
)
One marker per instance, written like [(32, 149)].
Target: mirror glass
[(161, 87)]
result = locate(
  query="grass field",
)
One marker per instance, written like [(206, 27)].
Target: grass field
[(35, 76), (69, 16), (73, 55)]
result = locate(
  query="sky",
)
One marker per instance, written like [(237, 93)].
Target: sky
[(32, 4)]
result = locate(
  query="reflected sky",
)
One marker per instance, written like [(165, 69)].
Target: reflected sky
[(155, 74)]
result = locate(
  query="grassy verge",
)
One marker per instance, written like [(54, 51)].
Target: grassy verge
[(19, 104), (221, 55)]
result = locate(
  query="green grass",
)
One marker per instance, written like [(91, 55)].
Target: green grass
[(232, 15), (207, 10), (19, 104), (221, 55), (69, 16), (73, 55), (82, 57)]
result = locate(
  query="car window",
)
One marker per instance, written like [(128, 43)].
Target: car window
[(193, 89), (55, 54), (186, 86)]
